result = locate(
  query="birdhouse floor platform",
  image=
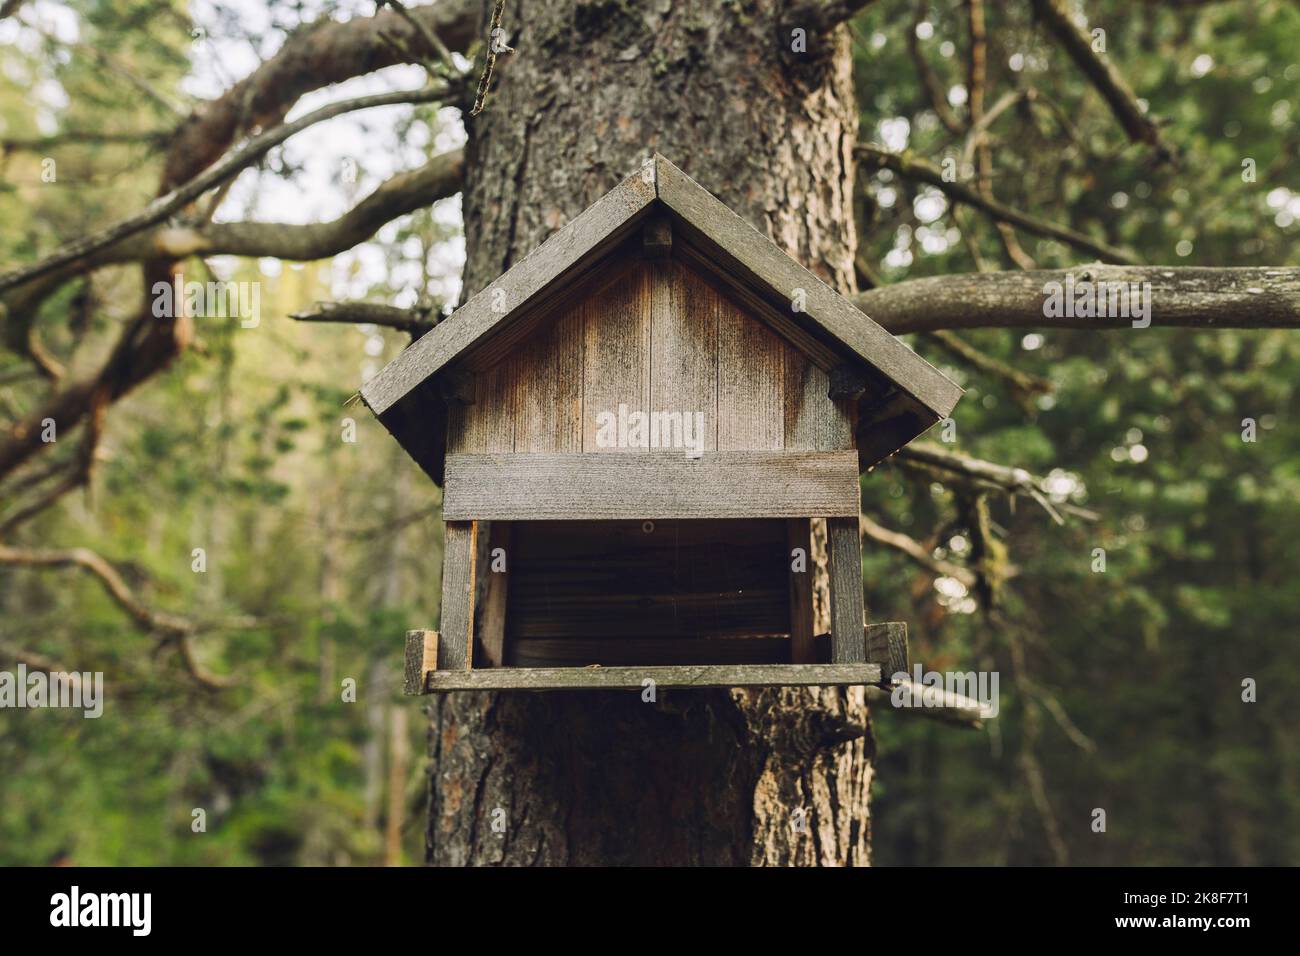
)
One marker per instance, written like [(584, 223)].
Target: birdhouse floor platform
[(636, 678), (886, 649)]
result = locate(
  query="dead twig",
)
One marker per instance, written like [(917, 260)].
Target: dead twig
[(495, 45)]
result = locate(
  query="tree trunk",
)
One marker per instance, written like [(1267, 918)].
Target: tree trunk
[(698, 777)]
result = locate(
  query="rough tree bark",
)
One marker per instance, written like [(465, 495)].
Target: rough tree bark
[(719, 777)]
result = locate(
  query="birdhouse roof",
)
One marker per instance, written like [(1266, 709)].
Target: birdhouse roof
[(900, 394)]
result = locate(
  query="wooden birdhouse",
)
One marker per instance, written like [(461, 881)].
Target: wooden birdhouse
[(635, 427)]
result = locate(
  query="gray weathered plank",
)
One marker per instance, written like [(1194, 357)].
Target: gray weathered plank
[(844, 551), (732, 287), (744, 248), (421, 660), (456, 631), (634, 678), (492, 615), (488, 424), (803, 647), (684, 348), (616, 354), (887, 646), (520, 487), (751, 383), (598, 227), (546, 387)]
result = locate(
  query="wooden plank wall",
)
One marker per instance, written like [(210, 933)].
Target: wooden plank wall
[(659, 338)]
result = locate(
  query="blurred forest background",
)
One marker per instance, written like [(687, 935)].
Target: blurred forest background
[(1121, 689)]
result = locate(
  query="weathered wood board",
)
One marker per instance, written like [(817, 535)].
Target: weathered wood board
[(421, 660), (455, 640), (635, 678), (590, 487), (844, 550), (658, 338)]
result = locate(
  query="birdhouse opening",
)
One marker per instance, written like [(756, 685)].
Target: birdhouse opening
[(666, 592)]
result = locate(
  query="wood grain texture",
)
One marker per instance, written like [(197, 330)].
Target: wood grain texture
[(778, 318), (456, 630), (751, 383), (544, 269), (659, 339), (616, 353), (492, 615), (742, 248), (813, 420), (740, 484), (421, 660), (844, 550), (488, 424), (887, 646), (684, 347), (803, 649), (546, 387), (634, 678)]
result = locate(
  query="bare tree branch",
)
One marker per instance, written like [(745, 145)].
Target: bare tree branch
[(429, 38), (977, 76), (314, 56), (406, 192), (911, 167), (184, 644), (1192, 297), (1023, 385), (1107, 80), (165, 205), (160, 622), (127, 366), (490, 57), (41, 144), (914, 550), (949, 706), (33, 660), (415, 322), (175, 631), (925, 73), (951, 465), (76, 472)]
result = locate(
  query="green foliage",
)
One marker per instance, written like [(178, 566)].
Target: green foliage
[(1120, 690), (1199, 527)]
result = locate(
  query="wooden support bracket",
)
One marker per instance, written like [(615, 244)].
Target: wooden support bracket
[(657, 237), (421, 660), (887, 646), (457, 386), (846, 381)]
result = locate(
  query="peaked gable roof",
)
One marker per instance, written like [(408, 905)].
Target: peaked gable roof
[(902, 394)]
